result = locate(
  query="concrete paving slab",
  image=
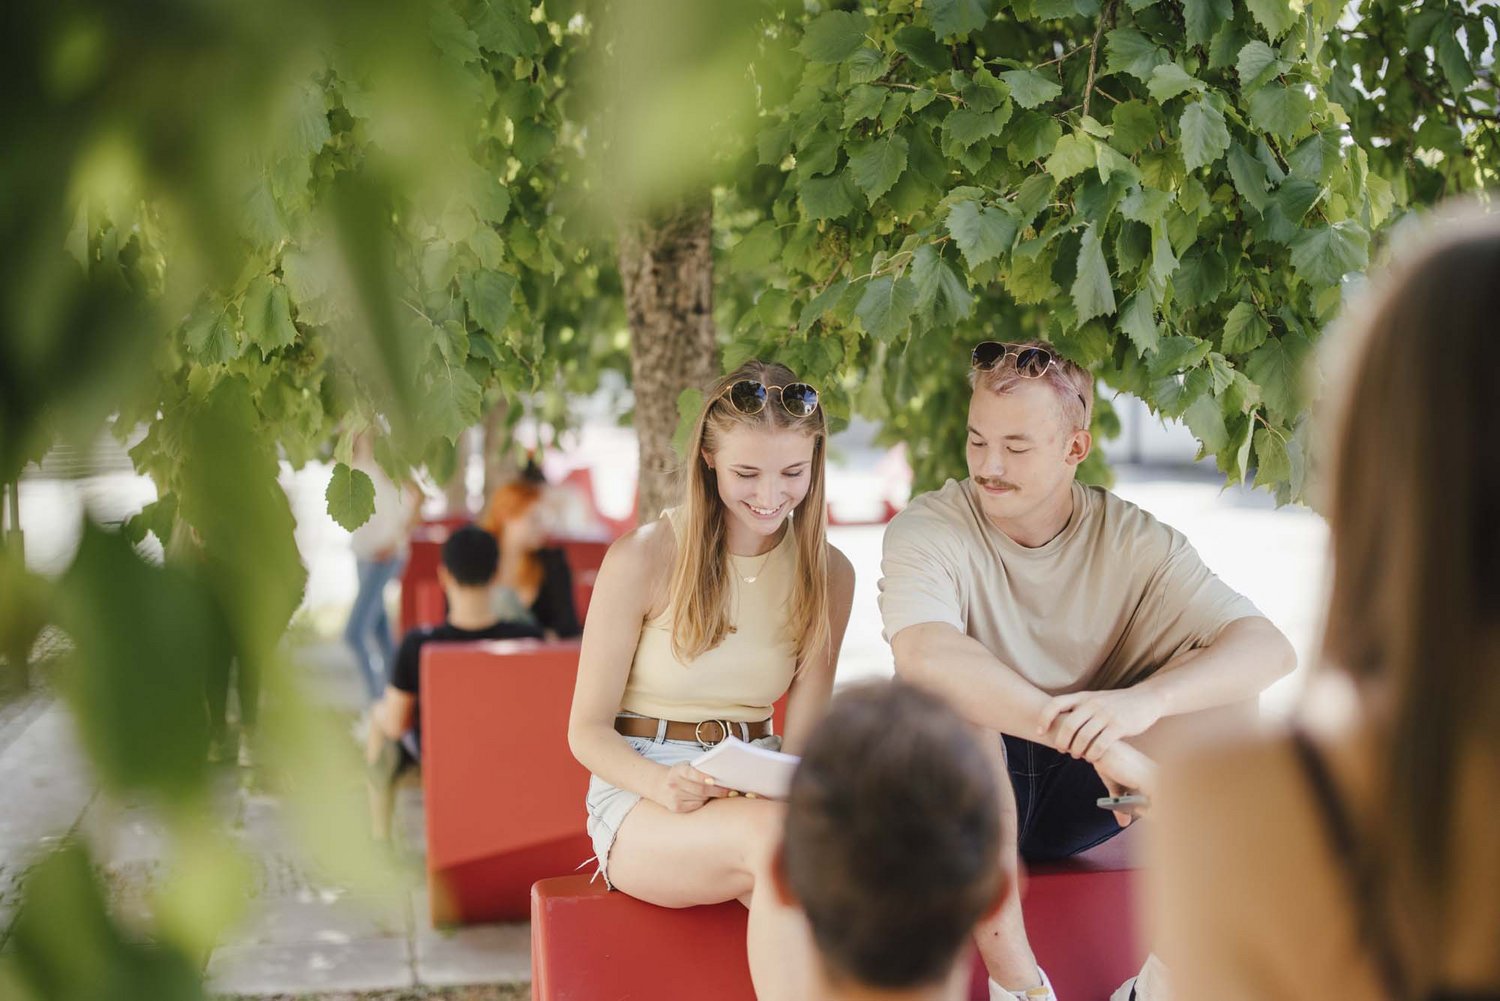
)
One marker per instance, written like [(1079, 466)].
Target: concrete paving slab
[(323, 915), (46, 783), (481, 954), (310, 968)]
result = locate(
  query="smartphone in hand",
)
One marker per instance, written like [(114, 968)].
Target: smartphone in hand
[(1134, 804)]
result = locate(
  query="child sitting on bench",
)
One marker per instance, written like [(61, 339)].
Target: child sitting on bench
[(892, 845)]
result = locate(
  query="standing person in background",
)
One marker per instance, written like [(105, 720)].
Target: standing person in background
[(380, 549), (535, 583), (1354, 854), (892, 846)]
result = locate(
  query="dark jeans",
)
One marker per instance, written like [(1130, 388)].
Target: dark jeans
[(1055, 801)]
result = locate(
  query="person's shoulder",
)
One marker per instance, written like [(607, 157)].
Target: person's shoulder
[(840, 570), (1128, 522), (641, 555), (946, 512)]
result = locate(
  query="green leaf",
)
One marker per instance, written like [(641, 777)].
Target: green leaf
[(820, 304), (834, 36), (1129, 51), (1206, 420), (867, 65), (953, 18), (453, 401), (1451, 57), (1201, 277), (1029, 280), (1135, 127), (1163, 260), (982, 233), (1072, 156), (1280, 109), (1328, 253), (964, 127), (864, 101), (1244, 329), (1169, 79), (940, 291), (825, 197), (923, 48), (1275, 16), (1178, 354), (1249, 176), (756, 248), (1203, 18), (1032, 137), (1112, 162), (209, 334), (1257, 64), (1275, 368), (1272, 464), (1093, 292), (1138, 322), (266, 310), (1030, 88), (1205, 137), (878, 164), (1145, 205), (885, 308), (1032, 196), (488, 294), (350, 496)]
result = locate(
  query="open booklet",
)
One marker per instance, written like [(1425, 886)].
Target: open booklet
[(737, 765)]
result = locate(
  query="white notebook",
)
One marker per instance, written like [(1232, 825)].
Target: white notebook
[(737, 765)]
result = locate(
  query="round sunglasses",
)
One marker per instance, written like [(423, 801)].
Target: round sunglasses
[(1031, 362), (749, 397)]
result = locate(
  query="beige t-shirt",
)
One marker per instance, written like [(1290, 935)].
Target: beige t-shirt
[(1113, 597), (739, 679)]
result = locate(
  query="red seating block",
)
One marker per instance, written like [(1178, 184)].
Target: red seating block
[(588, 943), (503, 795)]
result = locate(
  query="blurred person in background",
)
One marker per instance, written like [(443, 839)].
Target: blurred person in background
[(380, 550), (534, 584), (1353, 854), (892, 845), (470, 559)]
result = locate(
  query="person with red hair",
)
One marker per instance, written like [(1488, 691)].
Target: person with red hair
[(534, 582)]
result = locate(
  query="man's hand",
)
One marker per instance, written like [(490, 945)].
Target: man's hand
[(1090, 723), (1126, 770)]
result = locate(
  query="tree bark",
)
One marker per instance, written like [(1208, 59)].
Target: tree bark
[(666, 267)]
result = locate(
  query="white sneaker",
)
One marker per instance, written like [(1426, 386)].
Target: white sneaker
[(1041, 993), (1148, 985)]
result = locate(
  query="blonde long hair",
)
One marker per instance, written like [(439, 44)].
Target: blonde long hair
[(1413, 502), (699, 597)]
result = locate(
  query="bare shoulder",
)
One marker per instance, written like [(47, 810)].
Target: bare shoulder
[(640, 557)]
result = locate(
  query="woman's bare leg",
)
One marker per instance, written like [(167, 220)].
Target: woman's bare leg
[(720, 852)]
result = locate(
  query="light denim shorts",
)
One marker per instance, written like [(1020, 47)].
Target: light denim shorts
[(608, 805)]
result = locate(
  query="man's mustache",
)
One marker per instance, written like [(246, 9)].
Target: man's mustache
[(985, 481)]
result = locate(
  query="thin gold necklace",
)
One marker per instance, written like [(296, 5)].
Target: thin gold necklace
[(763, 560)]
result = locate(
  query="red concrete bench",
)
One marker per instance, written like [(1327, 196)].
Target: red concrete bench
[(504, 797), (589, 943)]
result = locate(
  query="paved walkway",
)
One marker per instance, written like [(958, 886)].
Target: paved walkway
[(306, 933)]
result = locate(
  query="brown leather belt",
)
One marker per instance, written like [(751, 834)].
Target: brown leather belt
[(707, 733)]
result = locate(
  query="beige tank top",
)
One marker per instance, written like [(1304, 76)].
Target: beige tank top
[(739, 679)]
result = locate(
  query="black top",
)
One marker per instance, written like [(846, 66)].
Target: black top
[(1362, 884), (553, 607), (406, 671)]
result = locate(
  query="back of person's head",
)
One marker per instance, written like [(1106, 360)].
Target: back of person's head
[(892, 840), (1413, 501), (471, 555), (1070, 383)]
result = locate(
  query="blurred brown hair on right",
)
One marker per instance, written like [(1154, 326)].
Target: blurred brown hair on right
[(1413, 499)]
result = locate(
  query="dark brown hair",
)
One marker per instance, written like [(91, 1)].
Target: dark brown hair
[(892, 842), (1413, 499)]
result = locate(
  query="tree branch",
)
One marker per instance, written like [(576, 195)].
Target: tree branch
[(911, 86), (1104, 16)]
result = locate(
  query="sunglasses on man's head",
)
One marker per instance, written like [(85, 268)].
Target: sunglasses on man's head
[(1031, 362), (749, 397)]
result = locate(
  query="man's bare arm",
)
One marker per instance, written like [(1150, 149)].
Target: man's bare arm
[(1244, 660), (980, 687)]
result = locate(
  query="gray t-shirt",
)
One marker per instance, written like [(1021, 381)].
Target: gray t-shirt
[(1113, 597)]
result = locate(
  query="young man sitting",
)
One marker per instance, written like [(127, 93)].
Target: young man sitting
[(892, 846), (470, 559)]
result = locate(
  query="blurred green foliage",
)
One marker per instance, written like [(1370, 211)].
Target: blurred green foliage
[(260, 230)]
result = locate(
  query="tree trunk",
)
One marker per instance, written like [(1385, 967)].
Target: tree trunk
[(667, 268)]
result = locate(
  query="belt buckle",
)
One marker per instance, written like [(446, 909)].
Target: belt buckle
[(698, 733)]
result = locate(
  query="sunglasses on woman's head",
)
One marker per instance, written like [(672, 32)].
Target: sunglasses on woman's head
[(749, 397), (1031, 362)]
